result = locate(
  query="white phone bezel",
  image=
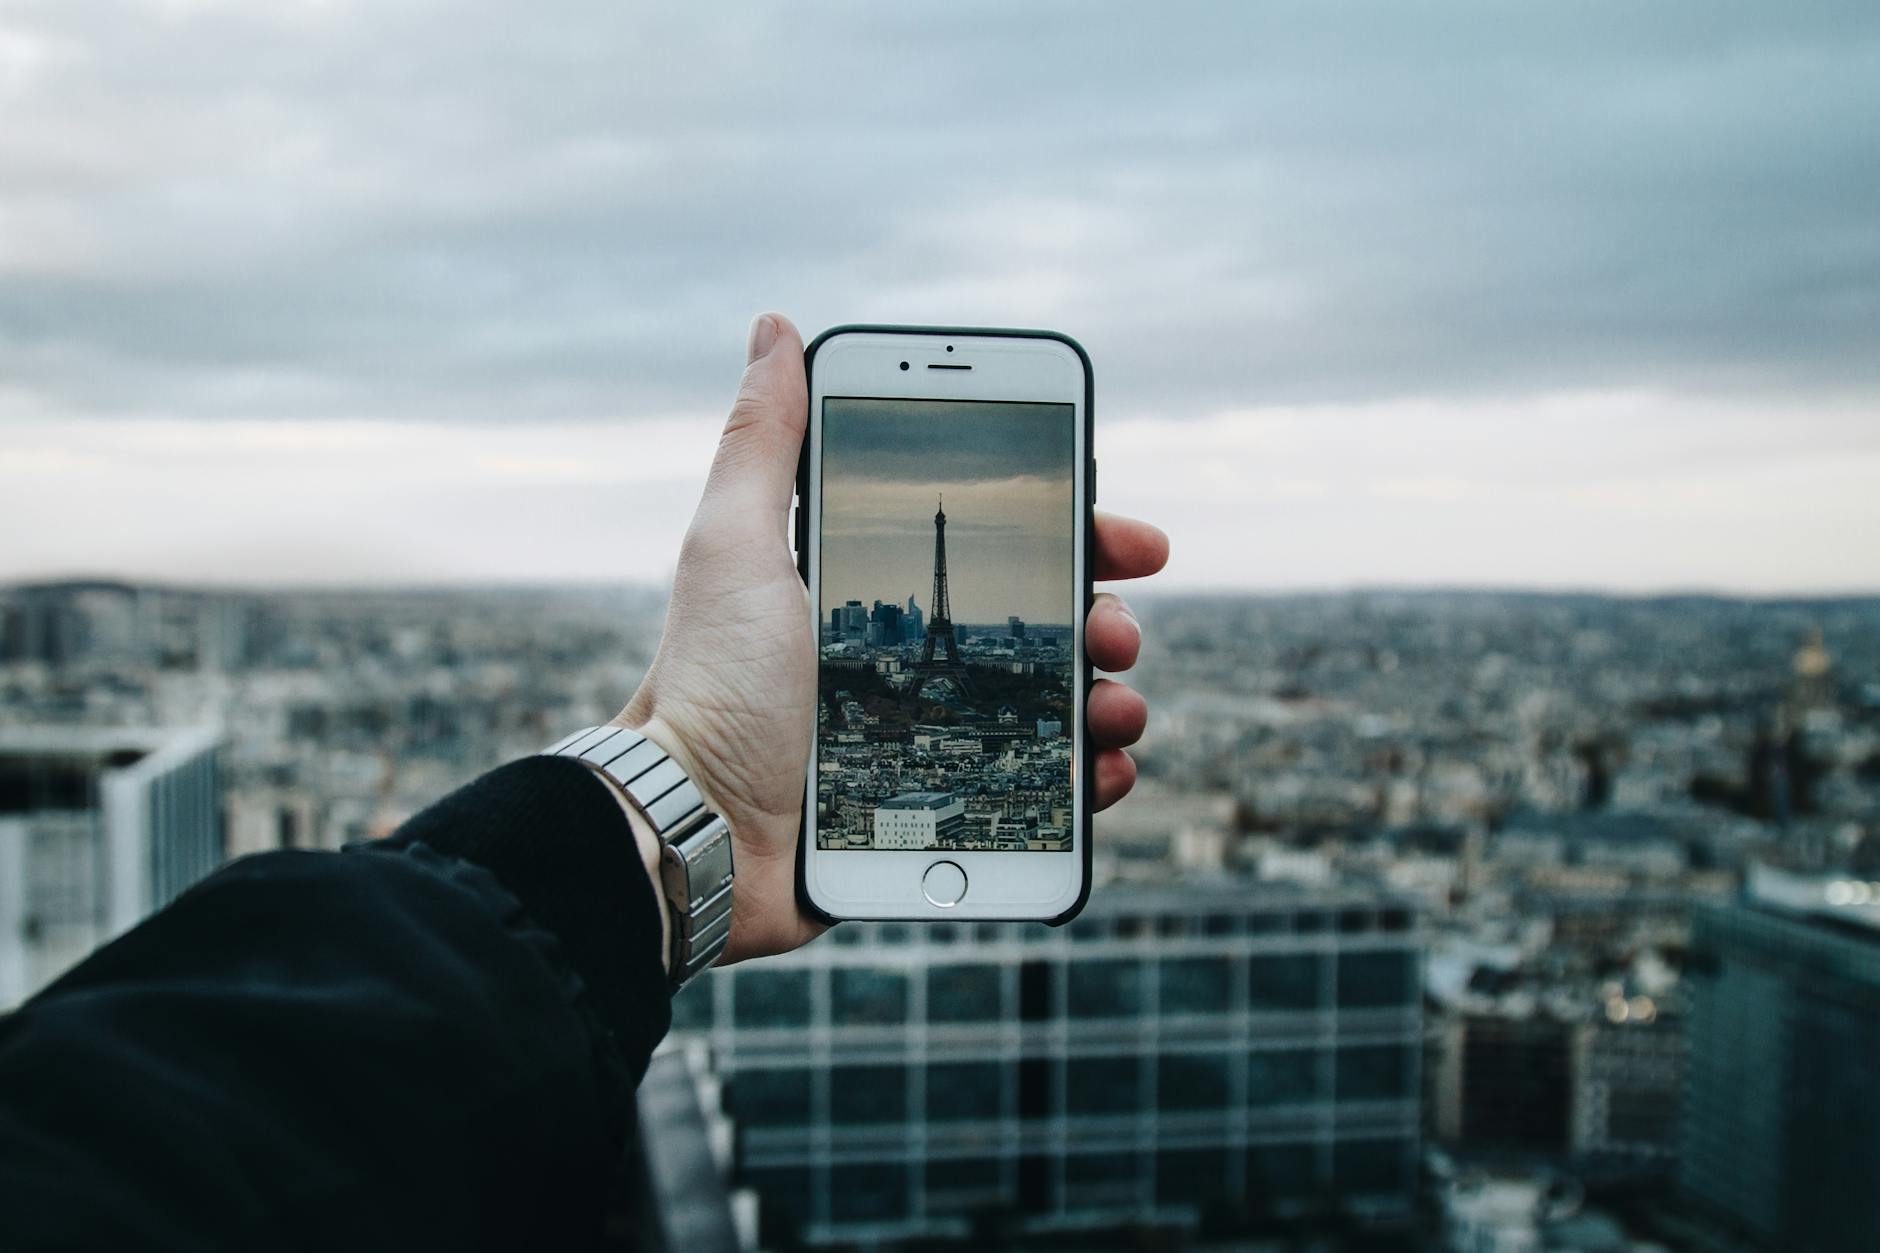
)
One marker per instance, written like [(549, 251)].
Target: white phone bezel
[(886, 884)]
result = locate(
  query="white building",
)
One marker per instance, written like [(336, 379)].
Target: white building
[(98, 828), (918, 820)]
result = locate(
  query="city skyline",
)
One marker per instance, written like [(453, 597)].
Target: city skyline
[(1557, 788)]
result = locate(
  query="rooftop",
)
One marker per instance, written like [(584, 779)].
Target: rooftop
[(918, 800), (1841, 898), (146, 750)]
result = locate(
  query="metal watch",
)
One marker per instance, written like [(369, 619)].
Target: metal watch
[(695, 845)]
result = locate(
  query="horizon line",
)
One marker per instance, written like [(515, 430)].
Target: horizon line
[(1138, 589)]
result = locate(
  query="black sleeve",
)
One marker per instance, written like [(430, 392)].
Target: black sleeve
[(425, 1043)]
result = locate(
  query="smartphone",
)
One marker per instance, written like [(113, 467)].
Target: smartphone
[(943, 528)]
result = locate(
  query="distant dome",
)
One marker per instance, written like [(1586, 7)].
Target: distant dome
[(1812, 659)]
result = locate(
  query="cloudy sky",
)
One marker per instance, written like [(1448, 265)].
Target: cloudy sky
[(1003, 472), (1572, 295)]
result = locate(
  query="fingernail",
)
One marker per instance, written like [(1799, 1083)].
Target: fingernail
[(763, 335), (1122, 607)]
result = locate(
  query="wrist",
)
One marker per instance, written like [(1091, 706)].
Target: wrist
[(677, 747), (650, 845), (685, 845), (646, 842), (747, 772)]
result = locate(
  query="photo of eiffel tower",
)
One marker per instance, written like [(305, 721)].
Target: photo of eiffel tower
[(940, 638), (946, 721)]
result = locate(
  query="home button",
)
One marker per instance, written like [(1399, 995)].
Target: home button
[(944, 884)]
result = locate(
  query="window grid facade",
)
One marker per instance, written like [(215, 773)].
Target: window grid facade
[(1780, 1109), (1169, 1058)]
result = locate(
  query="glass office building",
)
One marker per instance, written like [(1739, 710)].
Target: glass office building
[(1781, 1135), (1235, 1056)]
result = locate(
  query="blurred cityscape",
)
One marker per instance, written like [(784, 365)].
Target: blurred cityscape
[(1474, 921)]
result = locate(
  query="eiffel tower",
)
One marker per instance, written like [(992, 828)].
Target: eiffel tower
[(940, 620)]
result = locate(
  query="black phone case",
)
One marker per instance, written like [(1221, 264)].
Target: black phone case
[(1086, 758)]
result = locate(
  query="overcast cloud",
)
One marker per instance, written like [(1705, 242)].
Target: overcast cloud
[(1576, 294), (939, 441)]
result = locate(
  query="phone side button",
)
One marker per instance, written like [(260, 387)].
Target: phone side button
[(1093, 480), (944, 885)]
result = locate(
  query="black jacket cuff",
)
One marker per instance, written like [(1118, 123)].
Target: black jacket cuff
[(555, 836)]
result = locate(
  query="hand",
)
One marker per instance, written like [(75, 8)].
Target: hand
[(732, 691)]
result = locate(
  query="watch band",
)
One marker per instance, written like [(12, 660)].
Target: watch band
[(695, 844)]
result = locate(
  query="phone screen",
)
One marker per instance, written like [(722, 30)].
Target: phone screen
[(947, 650)]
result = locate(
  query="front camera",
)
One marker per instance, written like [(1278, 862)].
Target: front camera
[(904, 365)]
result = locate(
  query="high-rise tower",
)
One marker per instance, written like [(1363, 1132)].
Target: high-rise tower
[(940, 621)]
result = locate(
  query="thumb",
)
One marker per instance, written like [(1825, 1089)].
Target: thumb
[(755, 466)]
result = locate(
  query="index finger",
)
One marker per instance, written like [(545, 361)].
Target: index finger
[(1128, 549)]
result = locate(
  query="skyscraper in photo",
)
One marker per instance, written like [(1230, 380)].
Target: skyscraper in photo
[(886, 617)]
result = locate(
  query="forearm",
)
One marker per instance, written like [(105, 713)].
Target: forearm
[(430, 1042)]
